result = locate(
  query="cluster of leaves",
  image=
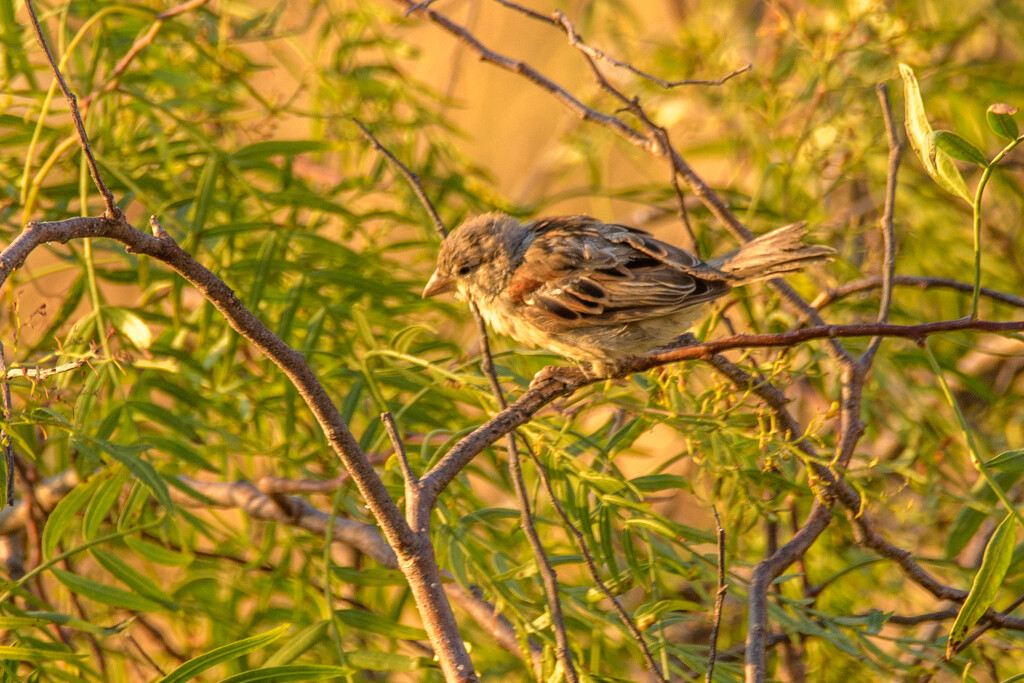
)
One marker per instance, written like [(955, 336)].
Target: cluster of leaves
[(233, 126)]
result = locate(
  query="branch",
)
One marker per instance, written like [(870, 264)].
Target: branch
[(886, 222), (920, 282), (36, 374)]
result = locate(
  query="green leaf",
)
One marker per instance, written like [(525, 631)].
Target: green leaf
[(919, 131), (143, 471), (158, 553), (386, 661), (1008, 461), (1000, 120), (108, 595), (948, 176), (131, 326), (297, 644), (936, 162), (127, 575), (986, 583), (294, 672), (970, 517), (958, 148), (368, 621), (660, 482), (104, 500), (288, 148), (224, 653), (58, 521), (25, 654)]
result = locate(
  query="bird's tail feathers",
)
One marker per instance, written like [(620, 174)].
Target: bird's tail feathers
[(780, 251)]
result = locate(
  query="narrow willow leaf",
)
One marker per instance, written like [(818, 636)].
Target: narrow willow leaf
[(131, 326), (297, 644), (986, 583), (104, 500), (108, 595), (1000, 120), (1008, 461), (660, 482), (58, 521), (224, 653), (919, 131), (375, 623), (936, 162), (143, 471), (129, 576), (287, 148), (158, 553), (294, 672), (958, 148), (25, 654), (970, 517), (386, 661)]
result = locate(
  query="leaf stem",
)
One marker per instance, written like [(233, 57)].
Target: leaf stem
[(976, 206)]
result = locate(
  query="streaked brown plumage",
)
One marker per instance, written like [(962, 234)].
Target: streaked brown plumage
[(597, 291)]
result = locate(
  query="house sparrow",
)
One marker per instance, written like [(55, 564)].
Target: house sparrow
[(594, 291)]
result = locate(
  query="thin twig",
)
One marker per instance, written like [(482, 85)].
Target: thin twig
[(5, 438), (886, 222), (112, 211), (577, 42), (37, 374), (716, 620), (829, 297), (684, 215), (413, 179), (591, 564), (396, 441)]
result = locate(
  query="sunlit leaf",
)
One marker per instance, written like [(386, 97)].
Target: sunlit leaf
[(987, 582)]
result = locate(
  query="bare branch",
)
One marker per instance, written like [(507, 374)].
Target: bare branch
[(886, 222), (921, 282), (37, 374)]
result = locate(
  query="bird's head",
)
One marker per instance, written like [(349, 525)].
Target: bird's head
[(477, 259)]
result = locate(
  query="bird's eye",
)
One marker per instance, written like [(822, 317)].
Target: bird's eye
[(464, 269)]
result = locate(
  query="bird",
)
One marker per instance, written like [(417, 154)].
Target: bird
[(598, 292)]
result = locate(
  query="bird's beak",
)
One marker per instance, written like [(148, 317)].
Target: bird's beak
[(437, 285)]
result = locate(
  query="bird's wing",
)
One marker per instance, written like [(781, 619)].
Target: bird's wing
[(579, 272)]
